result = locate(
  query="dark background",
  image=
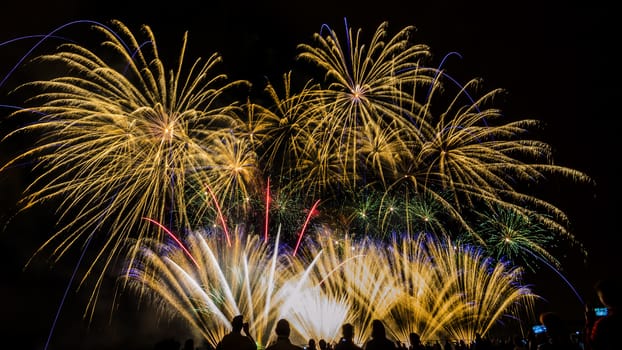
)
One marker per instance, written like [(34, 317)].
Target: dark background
[(556, 61)]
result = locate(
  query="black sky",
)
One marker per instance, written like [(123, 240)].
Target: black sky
[(556, 61)]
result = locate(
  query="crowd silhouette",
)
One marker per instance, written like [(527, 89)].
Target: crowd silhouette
[(601, 332)]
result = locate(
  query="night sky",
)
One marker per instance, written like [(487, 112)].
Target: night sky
[(557, 63)]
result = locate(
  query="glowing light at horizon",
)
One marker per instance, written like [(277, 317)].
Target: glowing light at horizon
[(438, 289)]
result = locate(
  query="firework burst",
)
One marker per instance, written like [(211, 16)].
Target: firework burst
[(363, 103), (484, 161), (121, 136), (515, 237)]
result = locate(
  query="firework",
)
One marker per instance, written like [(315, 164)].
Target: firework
[(211, 281), (382, 120), (515, 237), (363, 101), (483, 161), (453, 291), (425, 285), (129, 149), (121, 138)]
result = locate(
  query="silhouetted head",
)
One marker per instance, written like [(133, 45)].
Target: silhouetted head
[(608, 291), (553, 323), (414, 338), (237, 323), (322, 344), (377, 329), (282, 328), (347, 330), (189, 344)]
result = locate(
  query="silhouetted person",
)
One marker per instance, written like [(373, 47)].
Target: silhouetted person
[(557, 334), (167, 344), (235, 340), (534, 339), (605, 333), (481, 343), (189, 344), (282, 342), (311, 344), (323, 345), (347, 335), (379, 340), (415, 342)]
